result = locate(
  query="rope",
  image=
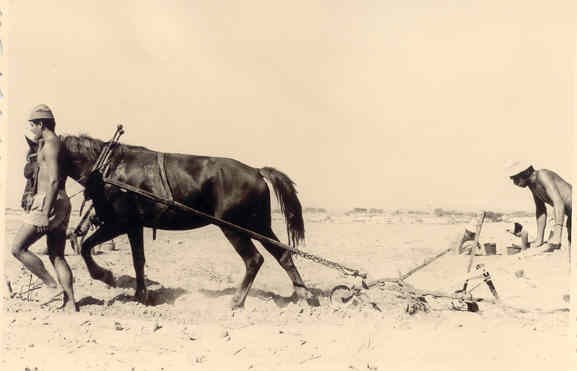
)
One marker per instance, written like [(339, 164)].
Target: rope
[(76, 194)]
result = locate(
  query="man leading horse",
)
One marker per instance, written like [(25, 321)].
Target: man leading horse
[(48, 208)]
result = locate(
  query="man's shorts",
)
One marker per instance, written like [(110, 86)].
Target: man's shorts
[(57, 218)]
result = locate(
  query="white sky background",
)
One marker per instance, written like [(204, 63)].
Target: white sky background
[(389, 104)]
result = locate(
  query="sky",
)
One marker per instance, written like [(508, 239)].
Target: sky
[(387, 104)]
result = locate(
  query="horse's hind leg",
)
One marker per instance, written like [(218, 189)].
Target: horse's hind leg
[(137, 245), (284, 258), (102, 234), (252, 261)]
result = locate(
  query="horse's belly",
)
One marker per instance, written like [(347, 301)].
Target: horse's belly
[(176, 224)]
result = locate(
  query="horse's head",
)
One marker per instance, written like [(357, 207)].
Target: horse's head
[(79, 153), (32, 147)]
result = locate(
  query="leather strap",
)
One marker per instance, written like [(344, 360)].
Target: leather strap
[(166, 192)]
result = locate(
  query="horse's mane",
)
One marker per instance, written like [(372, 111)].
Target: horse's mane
[(91, 147)]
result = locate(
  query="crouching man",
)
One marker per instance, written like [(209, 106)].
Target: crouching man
[(546, 187)]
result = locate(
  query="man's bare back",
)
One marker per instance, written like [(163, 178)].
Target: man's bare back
[(539, 190)]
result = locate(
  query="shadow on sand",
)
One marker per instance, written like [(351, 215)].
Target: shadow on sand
[(280, 301), (157, 296), (127, 282), (162, 295), (90, 300)]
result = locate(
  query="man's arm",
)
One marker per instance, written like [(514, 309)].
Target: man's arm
[(558, 205), (51, 149), (541, 215)]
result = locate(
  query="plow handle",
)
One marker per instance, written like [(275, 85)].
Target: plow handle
[(472, 256), (103, 157)]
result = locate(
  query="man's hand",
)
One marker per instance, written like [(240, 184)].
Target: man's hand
[(42, 223)]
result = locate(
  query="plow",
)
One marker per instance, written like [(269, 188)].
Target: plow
[(340, 295), (461, 299)]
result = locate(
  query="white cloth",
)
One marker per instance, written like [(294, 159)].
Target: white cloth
[(471, 226)]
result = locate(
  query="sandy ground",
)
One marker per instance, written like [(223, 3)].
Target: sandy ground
[(192, 276)]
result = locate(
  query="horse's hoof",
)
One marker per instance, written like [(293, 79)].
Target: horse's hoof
[(236, 303), (142, 297), (108, 278), (313, 301), (302, 293), (236, 306)]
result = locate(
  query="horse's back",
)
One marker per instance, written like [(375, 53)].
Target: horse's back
[(218, 186), (202, 169)]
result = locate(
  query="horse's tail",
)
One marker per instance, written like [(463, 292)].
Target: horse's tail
[(289, 203)]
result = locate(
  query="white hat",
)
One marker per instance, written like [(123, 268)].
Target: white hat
[(516, 167), (471, 226)]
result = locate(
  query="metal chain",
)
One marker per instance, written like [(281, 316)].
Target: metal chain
[(327, 263)]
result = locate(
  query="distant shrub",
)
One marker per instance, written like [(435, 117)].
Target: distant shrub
[(356, 210), (521, 214), (314, 210), (417, 212), (494, 217), (364, 210), (442, 212)]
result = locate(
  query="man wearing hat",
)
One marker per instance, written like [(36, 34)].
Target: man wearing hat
[(547, 187), (48, 208)]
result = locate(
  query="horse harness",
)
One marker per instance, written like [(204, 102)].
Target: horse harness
[(165, 191)]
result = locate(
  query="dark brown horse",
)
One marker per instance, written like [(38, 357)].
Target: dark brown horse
[(221, 187)]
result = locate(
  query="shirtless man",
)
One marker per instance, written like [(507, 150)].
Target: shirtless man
[(547, 187), (49, 209)]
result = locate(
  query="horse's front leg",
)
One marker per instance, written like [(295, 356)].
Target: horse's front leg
[(135, 236), (104, 233)]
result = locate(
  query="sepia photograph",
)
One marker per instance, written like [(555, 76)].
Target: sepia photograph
[(302, 185)]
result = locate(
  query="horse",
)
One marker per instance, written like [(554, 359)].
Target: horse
[(221, 187), (30, 169)]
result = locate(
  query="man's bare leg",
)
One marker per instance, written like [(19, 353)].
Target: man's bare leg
[(26, 236), (56, 241)]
